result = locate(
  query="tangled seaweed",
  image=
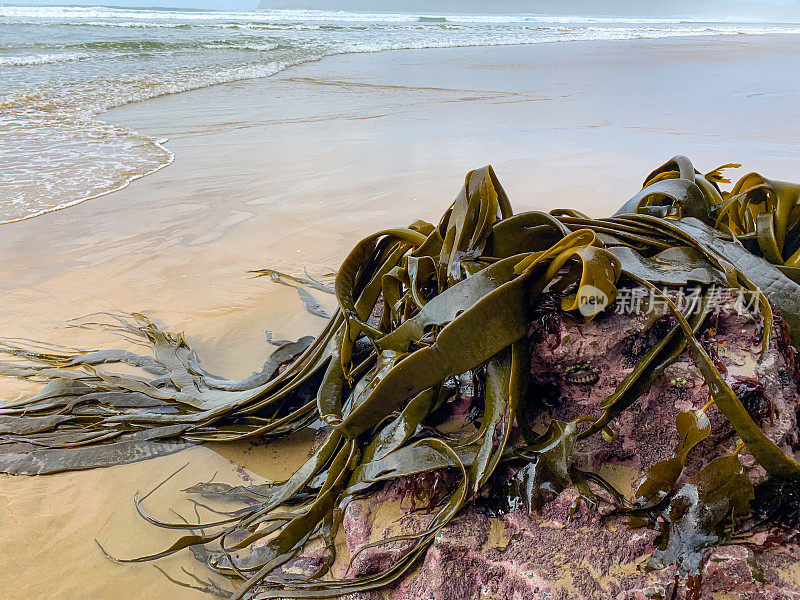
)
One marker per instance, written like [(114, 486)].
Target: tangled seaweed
[(418, 307)]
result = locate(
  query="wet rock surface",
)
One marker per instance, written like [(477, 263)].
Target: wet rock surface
[(568, 549)]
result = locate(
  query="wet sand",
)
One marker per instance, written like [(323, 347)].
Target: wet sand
[(289, 172)]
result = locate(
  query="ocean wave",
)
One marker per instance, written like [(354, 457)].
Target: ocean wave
[(42, 59), (132, 48), (132, 24), (133, 55), (153, 17)]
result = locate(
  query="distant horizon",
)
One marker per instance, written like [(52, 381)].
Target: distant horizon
[(761, 10)]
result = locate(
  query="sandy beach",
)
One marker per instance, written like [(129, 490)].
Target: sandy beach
[(290, 171)]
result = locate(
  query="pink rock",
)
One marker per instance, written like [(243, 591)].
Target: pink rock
[(563, 552)]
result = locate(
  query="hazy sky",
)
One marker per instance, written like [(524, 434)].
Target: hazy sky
[(218, 4)]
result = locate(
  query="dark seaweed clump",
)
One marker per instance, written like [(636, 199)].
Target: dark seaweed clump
[(753, 396), (776, 508)]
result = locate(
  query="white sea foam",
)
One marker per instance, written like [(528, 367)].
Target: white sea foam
[(79, 14), (73, 12), (41, 59)]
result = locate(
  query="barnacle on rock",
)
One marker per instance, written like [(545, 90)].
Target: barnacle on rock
[(581, 373), (681, 383)]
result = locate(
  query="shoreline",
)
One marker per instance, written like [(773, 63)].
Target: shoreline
[(160, 142), (122, 186)]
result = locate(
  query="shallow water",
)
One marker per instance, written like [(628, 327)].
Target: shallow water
[(60, 67), (62, 515)]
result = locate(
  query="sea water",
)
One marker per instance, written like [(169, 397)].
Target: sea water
[(62, 67)]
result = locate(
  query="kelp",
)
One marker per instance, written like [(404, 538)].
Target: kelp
[(693, 427), (701, 514), (310, 303), (418, 308)]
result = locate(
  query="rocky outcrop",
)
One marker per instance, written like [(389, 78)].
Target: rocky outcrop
[(569, 549)]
